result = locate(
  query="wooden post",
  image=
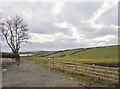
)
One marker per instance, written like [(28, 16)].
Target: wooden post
[(49, 60), (93, 69), (119, 75), (63, 65), (76, 68), (53, 63)]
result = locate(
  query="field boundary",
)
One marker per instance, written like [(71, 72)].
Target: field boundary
[(99, 72)]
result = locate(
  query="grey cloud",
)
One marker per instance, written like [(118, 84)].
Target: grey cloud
[(75, 12), (110, 17), (90, 32), (41, 20), (57, 45)]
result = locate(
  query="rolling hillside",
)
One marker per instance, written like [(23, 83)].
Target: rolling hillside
[(103, 55), (64, 53), (106, 56), (99, 53)]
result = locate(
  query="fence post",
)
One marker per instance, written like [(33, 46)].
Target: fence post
[(63, 65), (119, 75), (49, 60), (53, 63), (76, 68), (93, 70)]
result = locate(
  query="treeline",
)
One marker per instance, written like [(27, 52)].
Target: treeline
[(9, 55)]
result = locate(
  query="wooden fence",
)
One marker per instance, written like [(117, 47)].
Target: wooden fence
[(99, 72)]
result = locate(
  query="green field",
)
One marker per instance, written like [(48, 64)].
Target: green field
[(106, 55), (92, 55), (38, 60), (95, 55), (64, 53)]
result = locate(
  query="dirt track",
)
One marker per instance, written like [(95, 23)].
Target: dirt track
[(33, 75)]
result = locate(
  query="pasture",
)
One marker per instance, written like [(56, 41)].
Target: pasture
[(105, 56)]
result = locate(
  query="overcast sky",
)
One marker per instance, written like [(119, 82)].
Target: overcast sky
[(65, 25)]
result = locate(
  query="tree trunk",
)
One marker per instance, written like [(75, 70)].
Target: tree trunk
[(17, 57)]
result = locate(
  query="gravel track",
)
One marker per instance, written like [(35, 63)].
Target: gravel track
[(30, 74)]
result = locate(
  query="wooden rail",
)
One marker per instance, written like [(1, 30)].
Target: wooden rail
[(99, 72)]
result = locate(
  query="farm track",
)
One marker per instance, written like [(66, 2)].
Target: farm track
[(33, 75)]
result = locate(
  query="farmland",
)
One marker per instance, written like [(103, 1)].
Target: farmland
[(101, 55), (104, 55)]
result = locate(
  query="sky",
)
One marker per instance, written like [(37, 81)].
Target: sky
[(62, 25)]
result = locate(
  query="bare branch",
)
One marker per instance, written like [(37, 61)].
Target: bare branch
[(14, 32)]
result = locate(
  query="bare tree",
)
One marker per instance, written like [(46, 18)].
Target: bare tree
[(15, 32)]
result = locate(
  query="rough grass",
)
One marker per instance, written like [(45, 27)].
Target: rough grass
[(99, 53), (95, 55), (38, 60), (64, 53), (87, 61), (89, 80)]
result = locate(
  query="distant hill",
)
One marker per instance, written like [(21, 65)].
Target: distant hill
[(37, 52), (11, 55), (65, 52), (94, 54), (104, 52), (105, 56)]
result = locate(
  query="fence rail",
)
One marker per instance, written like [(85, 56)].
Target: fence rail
[(100, 72)]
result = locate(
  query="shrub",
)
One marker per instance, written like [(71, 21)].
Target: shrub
[(9, 55)]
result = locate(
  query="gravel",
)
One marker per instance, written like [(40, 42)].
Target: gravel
[(29, 74)]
